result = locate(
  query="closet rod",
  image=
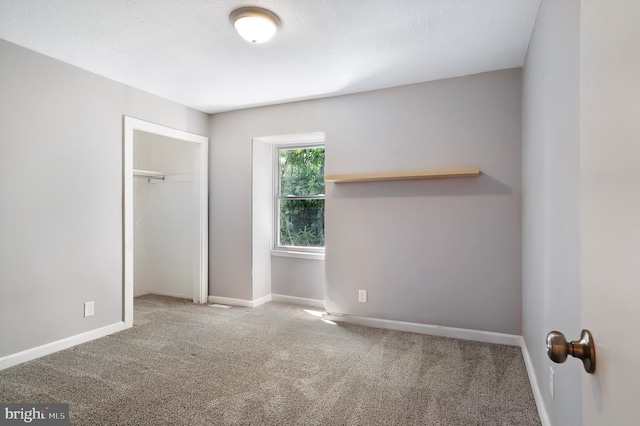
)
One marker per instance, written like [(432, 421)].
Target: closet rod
[(149, 177)]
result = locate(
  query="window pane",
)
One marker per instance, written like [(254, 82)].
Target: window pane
[(302, 223), (302, 171)]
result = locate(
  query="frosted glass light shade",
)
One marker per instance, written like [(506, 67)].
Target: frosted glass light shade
[(254, 24)]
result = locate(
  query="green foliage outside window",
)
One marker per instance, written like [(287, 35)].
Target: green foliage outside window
[(302, 219)]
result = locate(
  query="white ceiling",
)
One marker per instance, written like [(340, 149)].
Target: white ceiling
[(187, 50)]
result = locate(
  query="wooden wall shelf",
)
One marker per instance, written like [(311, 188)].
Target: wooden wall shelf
[(413, 174)]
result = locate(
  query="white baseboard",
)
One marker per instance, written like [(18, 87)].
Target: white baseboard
[(58, 345), (230, 301), (261, 301), (535, 388), (177, 296), (316, 303), (239, 302), (434, 330), (268, 298)]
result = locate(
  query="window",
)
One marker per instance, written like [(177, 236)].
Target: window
[(300, 198)]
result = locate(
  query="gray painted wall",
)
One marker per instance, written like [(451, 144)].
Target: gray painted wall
[(61, 194), (442, 252), (551, 205), (297, 277)]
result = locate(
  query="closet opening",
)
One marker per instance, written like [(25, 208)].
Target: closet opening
[(165, 213)]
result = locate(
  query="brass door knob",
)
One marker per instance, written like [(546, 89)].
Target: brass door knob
[(558, 349)]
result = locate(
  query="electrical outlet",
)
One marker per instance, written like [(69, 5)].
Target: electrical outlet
[(362, 296), (88, 309), (552, 383)]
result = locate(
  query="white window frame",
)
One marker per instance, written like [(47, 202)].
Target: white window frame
[(291, 251)]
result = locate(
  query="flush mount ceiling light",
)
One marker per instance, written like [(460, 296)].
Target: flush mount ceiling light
[(254, 24)]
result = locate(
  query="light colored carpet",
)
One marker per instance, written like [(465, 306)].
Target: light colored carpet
[(185, 364)]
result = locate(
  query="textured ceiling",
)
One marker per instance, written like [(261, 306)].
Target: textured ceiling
[(187, 50)]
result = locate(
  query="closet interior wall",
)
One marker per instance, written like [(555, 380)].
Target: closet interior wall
[(164, 213)]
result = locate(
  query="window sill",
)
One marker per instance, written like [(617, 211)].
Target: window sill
[(298, 254)]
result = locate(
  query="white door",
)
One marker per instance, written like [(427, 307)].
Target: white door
[(610, 208)]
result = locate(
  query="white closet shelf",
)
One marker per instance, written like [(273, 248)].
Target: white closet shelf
[(406, 175), (148, 173)]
